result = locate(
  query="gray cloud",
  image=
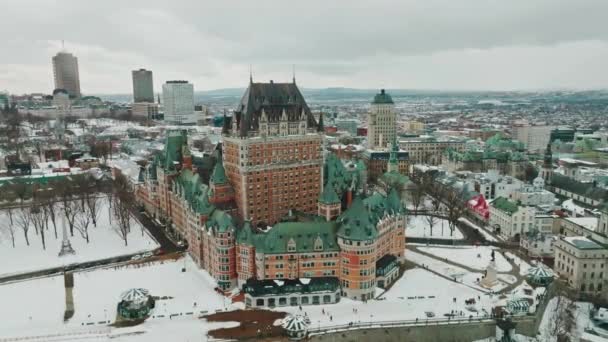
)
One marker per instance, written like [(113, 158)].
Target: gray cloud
[(439, 44)]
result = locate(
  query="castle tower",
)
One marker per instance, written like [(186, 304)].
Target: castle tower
[(546, 172), (393, 162), (357, 236), (329, 203), (220, 189), (273, 155)]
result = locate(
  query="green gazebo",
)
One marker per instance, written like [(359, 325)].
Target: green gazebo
[(135, 304), (540, 275)]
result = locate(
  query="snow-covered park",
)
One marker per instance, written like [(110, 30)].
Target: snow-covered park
[(409, 298), (104, 242), (36, 307), (419, 226), (475, 257)]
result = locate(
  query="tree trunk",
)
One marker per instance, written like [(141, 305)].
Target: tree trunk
[(42, 238), (27, 240)]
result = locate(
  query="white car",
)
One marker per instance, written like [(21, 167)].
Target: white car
[(136, 257), (147, 254)]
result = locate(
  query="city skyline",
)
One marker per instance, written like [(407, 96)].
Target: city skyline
[(407, 45)]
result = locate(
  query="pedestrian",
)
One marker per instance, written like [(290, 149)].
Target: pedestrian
[(331, 318), (323, 311)]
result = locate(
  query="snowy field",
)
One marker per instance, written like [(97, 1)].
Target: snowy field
[(35, 307), (456, 273), (418, 226), (477, 257), (104, 242), (409, 298)]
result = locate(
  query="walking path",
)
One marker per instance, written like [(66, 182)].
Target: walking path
[(514, 269)]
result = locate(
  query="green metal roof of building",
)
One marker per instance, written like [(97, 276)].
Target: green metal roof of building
[(219, 173), (304, 234), (220, 221), (329, 196), (583, 243), (505, 205), (383, 98), (356, 222), (579, 188)]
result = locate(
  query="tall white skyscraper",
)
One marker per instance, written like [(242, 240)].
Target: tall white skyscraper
[(143, 86), (65, 72), (381, 122), (178, 101)]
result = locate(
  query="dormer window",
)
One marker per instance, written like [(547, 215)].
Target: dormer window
[(318, 244), (291, 245)]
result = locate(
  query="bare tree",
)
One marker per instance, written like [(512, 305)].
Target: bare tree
[(70, 210), (83, 221), (51, 209), (23, 220), (455, 209), (92, 207), (69, 207), (431, 220), (417, 197), (562, 323), (123, 201), (10, 228), (38, 218), (9, 211)]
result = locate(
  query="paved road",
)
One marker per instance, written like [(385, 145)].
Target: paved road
[(166, 247)]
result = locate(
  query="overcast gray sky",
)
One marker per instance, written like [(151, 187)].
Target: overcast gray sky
[(422, 44)]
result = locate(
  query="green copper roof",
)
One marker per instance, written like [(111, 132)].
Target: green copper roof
[(304, 236), (329, 196), (173, 148), (220, 221), (505, 205), (189, 186), (245, 234), (383, 98), (219, 173), (356, 223)]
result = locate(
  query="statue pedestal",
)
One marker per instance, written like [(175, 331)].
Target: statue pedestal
[(66, 248), (490, 279)]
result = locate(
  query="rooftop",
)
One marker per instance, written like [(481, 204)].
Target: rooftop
[(581, 242), (383, 98), (585, 222)]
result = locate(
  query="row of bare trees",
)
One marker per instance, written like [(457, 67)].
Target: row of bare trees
[(441, 199), (78, 201)]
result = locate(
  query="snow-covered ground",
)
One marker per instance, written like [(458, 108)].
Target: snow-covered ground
[(523, 266), (35, 307), (104, 242), (409, 298), (456, 273), (418, 226), (482, 231), (475, 257)]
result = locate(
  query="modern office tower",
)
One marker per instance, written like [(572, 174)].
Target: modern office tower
[(272, 153), (143, 88), (65, 72), (178, 100), (381, 122)]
